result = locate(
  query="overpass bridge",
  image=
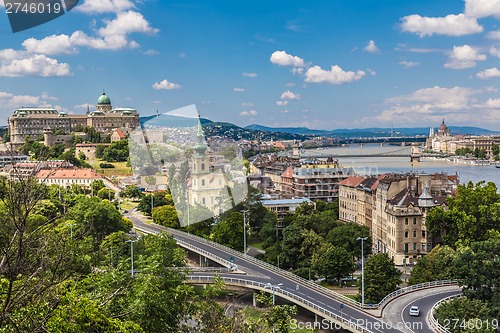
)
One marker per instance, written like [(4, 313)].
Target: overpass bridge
[(336, 308)]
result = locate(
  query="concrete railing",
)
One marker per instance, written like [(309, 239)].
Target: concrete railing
[(434, 322), (341, 320), (289, 275)]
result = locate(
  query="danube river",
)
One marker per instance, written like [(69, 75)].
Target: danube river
[(367, 164)]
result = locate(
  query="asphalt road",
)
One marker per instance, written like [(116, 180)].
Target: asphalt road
[(264, 275)]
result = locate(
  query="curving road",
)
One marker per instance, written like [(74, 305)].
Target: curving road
[(295, 287)]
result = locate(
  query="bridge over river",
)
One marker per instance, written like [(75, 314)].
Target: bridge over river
[(254, 274)]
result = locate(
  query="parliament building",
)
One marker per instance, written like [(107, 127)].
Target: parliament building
[(33, 122)]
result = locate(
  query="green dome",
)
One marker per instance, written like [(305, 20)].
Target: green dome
[(103, 99)]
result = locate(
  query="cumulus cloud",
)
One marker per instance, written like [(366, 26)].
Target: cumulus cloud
[(113, 36), (450, 25), (463, 57), (282, 103), (488, 73), (482, 8), (408, 64), (287, 94), (30, 65), (430, 105), (495, 34), (495, 52), (248, 113), (11, 101), (104, 6), (371, 47), (334, 76), (238, 89), (284, 59), (250, 74), (165, 85)]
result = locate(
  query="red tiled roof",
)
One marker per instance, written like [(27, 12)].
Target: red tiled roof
[(120, 134), (352, 181), (288, 173), (68, 174)]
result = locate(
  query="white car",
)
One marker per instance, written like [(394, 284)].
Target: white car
[(415, 311)]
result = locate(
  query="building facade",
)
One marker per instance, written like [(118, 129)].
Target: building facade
[(394, 207), (34, 122)]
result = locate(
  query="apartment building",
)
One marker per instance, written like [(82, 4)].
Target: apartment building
[(394, 207)]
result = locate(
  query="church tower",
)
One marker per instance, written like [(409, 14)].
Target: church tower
[(201, 168)]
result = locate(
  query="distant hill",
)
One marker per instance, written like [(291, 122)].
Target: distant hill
[(371, 132)]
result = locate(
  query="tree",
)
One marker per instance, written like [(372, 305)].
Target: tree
[(381, 277), (332, 262), (346, 235), (229, 231), (166, 216), (292, 242), (145, 203), (434, 266), (106, 193), (97, 185), (470, 313), (478, 269), (131, 191)]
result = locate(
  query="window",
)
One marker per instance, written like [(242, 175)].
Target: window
[(406, 233), (202, 166), (414, 220), (202, 201), (203, 182), (415, 246), (406, 247), (423, 233), (414, 233), (406, 220), (423, 246)]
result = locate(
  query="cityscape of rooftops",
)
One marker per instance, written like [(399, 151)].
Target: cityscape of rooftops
[(254, 167)]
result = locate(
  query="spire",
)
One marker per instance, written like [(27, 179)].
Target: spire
[(443, 121), (200, 128), (200, 147)]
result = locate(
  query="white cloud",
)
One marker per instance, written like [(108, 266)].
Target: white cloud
[(84, 106), (250, 74), (488, 73), (450, 25), (238, 89), (165, 85), (482, 8), (125, 23), (290, 84), (284, 59), (289, 95), (334, 76), (464, 57), (54, 44), (493, 34), (371, 47), (493, 103), (45, 95), (248, 113), (151, 52), (282, 103), (408, 64), (10, 101), (31, 65), (104, 6), (495, 52), (247, 104)]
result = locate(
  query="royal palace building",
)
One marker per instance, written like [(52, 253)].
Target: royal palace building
[(33, 122)]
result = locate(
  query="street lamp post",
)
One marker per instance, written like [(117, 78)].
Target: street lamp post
[(273, 287), (244, 231), (362, 239), (132, 241)]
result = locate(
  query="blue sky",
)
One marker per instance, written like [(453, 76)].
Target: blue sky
[(321, 64)]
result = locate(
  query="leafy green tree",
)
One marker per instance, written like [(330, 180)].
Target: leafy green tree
[(106, 193), (332, 262), (381, 277), (346, 235), (116, 152), (145, 203), (478, 269), (291, 245), (229, 231), (131, 191), (464, 315), (166, 216), (434, 266), (97, 185)]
